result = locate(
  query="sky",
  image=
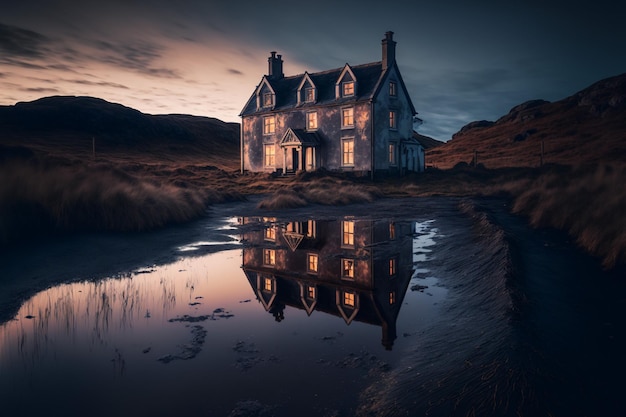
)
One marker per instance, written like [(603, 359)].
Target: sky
[(461, 60)]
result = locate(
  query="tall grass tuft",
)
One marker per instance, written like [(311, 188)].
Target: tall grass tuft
[(588, 202), (37, 197)]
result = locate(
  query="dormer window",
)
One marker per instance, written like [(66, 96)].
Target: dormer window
[(309, 95), (348, 88), (268, 100)]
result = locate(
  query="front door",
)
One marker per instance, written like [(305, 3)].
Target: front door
[(295, 159)]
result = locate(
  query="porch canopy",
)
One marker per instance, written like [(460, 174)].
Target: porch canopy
[(299, 150)]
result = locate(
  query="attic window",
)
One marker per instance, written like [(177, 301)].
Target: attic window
[(393, 89), (309, 95), (348, 88), (268, 100)]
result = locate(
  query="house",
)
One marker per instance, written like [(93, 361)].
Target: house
[(355, 119), (355, 269)]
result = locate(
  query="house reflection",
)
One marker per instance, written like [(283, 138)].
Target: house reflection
[(358, 270)]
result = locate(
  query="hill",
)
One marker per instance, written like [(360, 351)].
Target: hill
[(426, 141), (587, 127), (68, 125)]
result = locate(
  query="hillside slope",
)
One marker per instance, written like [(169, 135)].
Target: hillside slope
[(587, 127), (68, 125)]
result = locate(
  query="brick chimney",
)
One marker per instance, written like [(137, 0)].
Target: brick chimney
[(275, 66), (389, 51)]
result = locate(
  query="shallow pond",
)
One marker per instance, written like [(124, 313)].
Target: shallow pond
[(411, 307)]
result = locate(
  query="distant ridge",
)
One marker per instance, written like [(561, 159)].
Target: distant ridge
[(587, 127), (68, 122)]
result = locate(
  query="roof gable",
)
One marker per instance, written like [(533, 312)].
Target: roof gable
[(306, 80)]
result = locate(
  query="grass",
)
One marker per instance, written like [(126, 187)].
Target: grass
[(53, 194)]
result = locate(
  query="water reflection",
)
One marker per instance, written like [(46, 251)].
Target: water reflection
[(358, 270)]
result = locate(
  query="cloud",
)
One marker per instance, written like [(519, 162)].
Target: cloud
[(15, 41), (234, 71), (97, 83), (40, 90)]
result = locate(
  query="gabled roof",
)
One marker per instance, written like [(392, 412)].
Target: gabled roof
[(299, 137), (286, 88)]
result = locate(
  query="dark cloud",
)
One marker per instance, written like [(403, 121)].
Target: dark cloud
[(97, 83), (40, 90), (234, 71), (15, 41)]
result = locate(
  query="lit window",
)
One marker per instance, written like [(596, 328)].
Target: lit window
[(310, 292), (347, 152), (347, 230), (392, 154), (392, 297), (392, 267), (270, 155), (392, 231), (268, 284), (268, 99), (393, 120), (270, 233), (348, 299), (393, 91), (347, 268), (312, 262), (347, 117), (348, 88), (311, 229), (309, 95), (269, 257), (311, 120), (269, 125)]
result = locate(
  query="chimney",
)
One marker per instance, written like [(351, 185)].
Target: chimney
[(389, 51), (275, 66)]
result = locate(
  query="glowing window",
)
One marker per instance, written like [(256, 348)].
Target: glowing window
[(347, 117), (347, 268), (270, 155), (269, 257), (392, 154), (392, 231), (392, 267), (348, 88), (392, 297), (312, 262), (269, 125), (348, 299), (270, 233), (311, 120), (393, 120), (268, 284), (347, 231), (347, 152), (310, 292)]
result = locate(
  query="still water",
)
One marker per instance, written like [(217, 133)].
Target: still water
[(401, 311)]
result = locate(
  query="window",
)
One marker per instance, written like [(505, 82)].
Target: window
[(393, 120), (270, 233), (311, 292), (392, 153), (347, 117), (309, 95), (270, 155), (268, 99), (348, 88), (269, 125), (347, 152), (393, 90), (392, 231), (311, 229), (269, 257), (311, 120), (268, 284), (312, 262), (392, 267), (347, 268), (348, 299), (347, 232), (392, 297)]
